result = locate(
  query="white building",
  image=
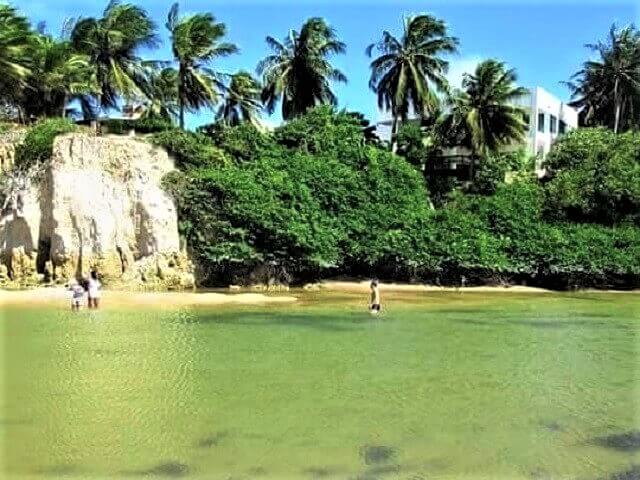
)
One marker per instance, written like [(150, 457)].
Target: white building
[(547, 117)]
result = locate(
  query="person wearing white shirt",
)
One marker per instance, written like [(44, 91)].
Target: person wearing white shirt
[(94, 290)]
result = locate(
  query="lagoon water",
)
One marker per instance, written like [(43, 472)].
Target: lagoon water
[(440, 386)]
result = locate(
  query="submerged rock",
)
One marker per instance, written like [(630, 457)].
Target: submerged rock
[(97, 203)]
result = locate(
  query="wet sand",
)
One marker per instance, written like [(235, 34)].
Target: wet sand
[(401, 287), (160, 299)]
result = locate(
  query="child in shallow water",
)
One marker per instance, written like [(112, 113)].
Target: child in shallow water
[(77, 295), (375, 298)]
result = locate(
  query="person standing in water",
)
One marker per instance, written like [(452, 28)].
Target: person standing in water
[(77, 295), (375, 298), (94, 289)]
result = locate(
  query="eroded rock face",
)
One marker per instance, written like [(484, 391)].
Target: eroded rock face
[(8, 142), (98, 204)]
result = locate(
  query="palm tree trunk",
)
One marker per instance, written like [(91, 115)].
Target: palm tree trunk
[(394, 133), (181, 113), (616, 125), (616, 101), (64, 107), (471, 167)]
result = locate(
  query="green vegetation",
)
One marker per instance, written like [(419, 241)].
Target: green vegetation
[(241, 102), (483, 116), (38, 142), (195, 40), (298, 72), (408, 70), (300, 206), (314, 198), (141, 125), (190, 150), (596, 177), (15, 35), (111, 42), (607, 89)]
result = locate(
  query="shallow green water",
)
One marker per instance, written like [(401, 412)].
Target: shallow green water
[(440, 386)]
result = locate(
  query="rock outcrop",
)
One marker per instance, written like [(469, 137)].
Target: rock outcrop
[(8, 142), (97, 204)]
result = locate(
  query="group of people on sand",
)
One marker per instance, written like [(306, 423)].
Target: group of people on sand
[(90, 288), (86, 287)]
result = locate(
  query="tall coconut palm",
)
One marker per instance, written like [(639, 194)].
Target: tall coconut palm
[(241, 102), (58, 74), (608, 89), (195, 40), (484, 113), (410, 69), (112, 43), (161, 94), (298, 73), (15, 35)]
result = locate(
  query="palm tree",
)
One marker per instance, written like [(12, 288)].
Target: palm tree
[(483, 113), (409, 70), (298, 72), (111, 43), (161, 95), (58, 74), (241, 102), (15, 35), (608, 89), (196, 42)]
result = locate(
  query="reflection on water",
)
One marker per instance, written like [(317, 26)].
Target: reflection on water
[(440, 386)]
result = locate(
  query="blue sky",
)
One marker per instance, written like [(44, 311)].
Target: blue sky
[(544, 40)]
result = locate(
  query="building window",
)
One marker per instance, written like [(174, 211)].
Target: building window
[(541, 122), (553, 122), (563, 127), (526, 119)]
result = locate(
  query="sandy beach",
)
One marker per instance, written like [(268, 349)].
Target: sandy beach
[(361, 286), (160, 299)]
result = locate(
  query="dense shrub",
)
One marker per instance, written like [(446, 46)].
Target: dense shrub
[(303, 213), (120, 126), (299, 211), (596, 177), (315, 199), (322, 130), (242, 143), (413, 144), (38, 142), (190, 150), (493, 170)]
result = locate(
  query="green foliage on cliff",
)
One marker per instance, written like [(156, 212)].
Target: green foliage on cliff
[(38, 142), (120, 126), (303, 212), (313, 198), (243, 142), (190, 150)]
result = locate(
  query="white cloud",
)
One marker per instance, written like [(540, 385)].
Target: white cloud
[(459, 66)]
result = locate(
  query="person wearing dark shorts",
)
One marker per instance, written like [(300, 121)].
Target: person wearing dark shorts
[(374, 307)]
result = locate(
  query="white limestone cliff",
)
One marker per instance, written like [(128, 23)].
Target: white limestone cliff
[(98, 203)]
